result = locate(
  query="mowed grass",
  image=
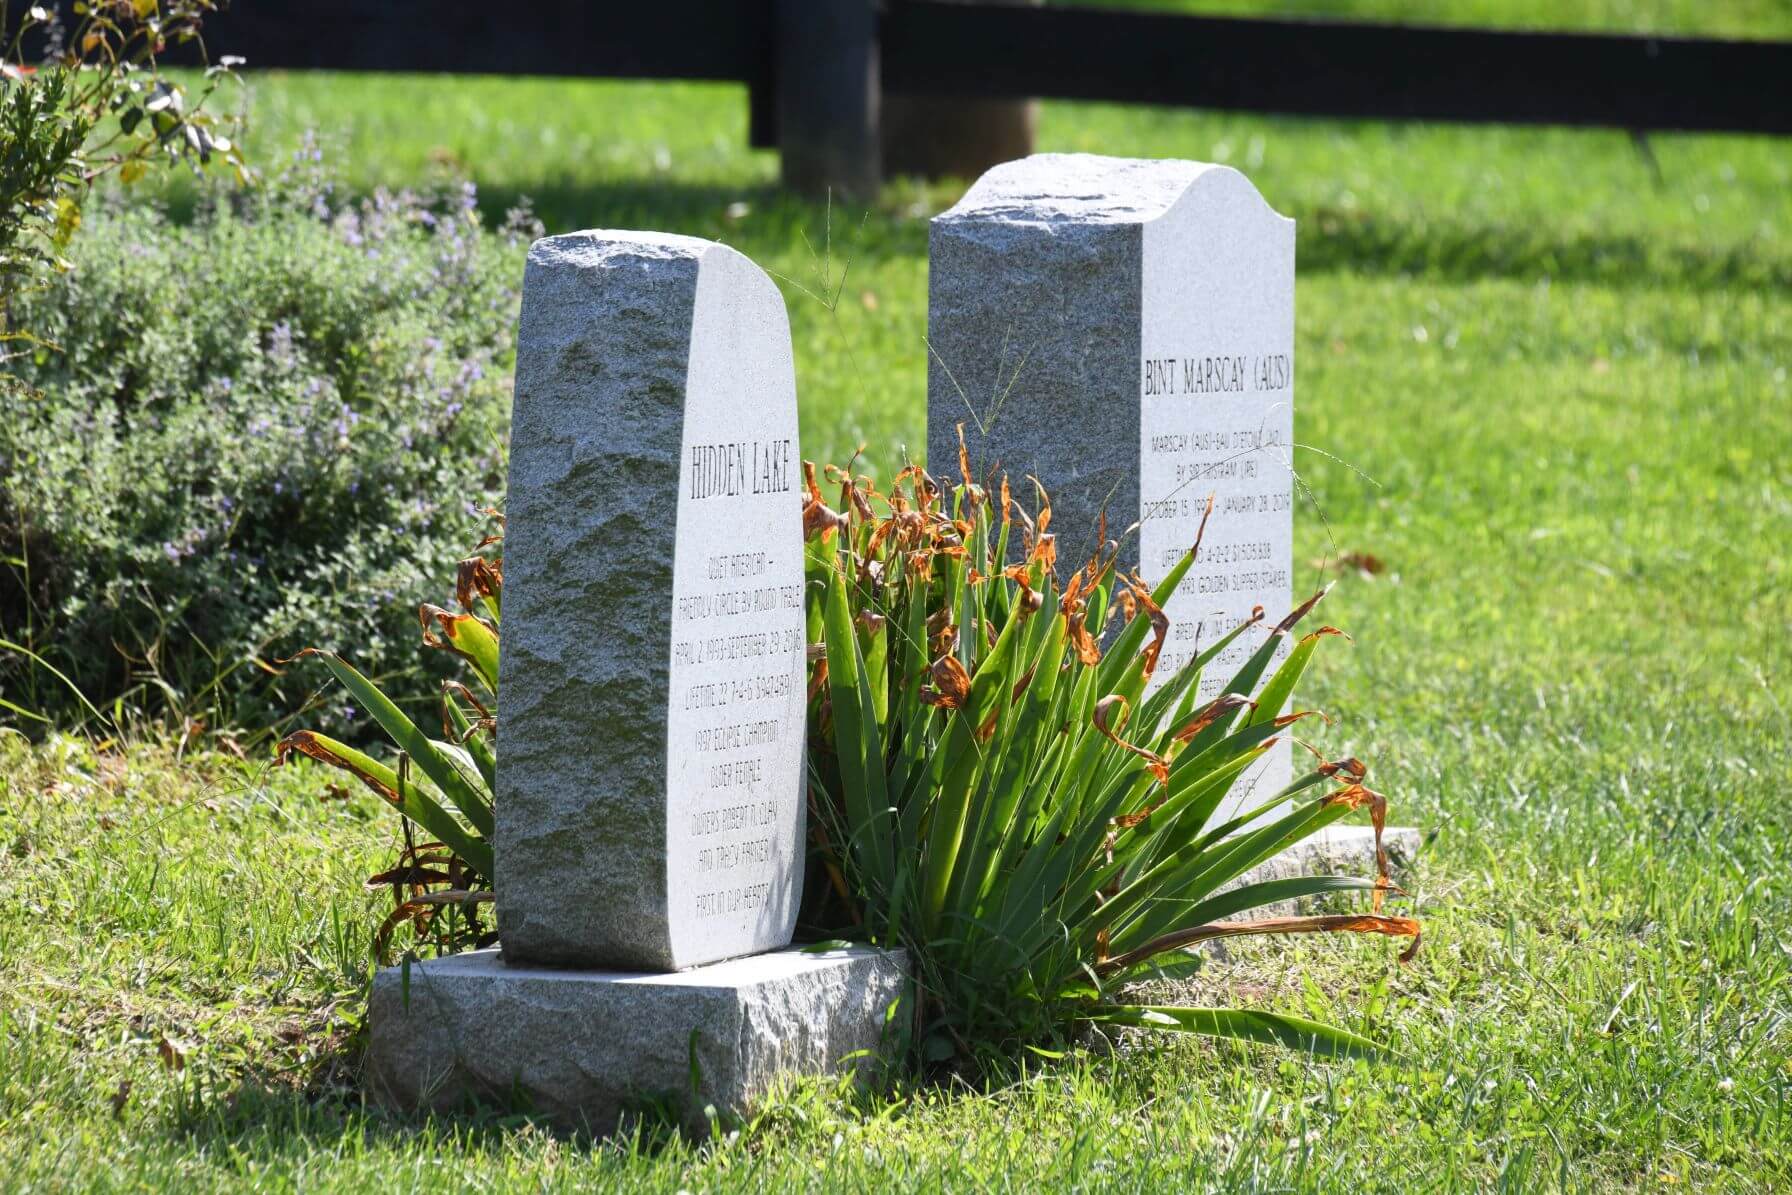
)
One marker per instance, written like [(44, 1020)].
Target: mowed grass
[(1687, 18), (1557, 390)]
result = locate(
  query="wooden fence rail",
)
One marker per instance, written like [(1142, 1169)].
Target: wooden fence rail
[(817, 71)]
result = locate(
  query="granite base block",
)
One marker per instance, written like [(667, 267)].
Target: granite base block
[(584, 1048)]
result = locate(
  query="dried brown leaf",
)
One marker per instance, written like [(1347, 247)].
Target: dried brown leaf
[(1298, 613), (951, 687), (304, 742), (477, 577), (1160, 622), (1109, 715), (407, 875), (1342, 923), (1213, 711), (1355, 796)]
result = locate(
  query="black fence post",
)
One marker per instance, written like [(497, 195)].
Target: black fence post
[(829, 96)]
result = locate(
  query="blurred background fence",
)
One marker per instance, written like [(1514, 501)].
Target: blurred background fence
[(849, 90)]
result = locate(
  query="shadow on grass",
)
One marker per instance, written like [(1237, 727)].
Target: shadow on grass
[(303, 1115), (764, 220), (1329, 239)]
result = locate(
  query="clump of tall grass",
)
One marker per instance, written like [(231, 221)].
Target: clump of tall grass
[(1030, 814)]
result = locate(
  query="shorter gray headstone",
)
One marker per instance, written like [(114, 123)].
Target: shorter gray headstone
[(650, 765), (586, 1047), (651, 721), (650, 762)]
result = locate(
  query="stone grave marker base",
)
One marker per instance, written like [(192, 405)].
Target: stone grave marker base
[(585, 1047), (1336, 850)]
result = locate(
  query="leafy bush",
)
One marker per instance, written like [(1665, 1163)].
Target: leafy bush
[(95, 105), (1017, 806), (271, 428)]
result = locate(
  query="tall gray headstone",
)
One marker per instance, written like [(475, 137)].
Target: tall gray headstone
[(1123, 330), (649, 811)]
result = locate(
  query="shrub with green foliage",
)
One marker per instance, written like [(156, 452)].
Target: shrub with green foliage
[(95, 104), (271, 428)]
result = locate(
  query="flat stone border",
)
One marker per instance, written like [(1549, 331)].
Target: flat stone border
[(584, 1048)]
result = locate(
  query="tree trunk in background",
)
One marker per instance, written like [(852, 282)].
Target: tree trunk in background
[(949, 137), (829, 95)]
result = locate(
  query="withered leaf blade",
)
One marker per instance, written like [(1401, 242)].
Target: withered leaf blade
[(1213, 711), (1128, 821), (856, 499), (1160, 622), (951, 687), (1030, 600), (822, 521), (1349, 766), (416, 911), (1201, 531), (1355, 796), (819, 520), (1340, 923), (1109, 713), (306, 743), (477, 577), (408, 875), (1075, 630), (1299, 612), (1026, 680)]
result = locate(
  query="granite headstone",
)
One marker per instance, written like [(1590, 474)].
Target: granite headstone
[(649, 811), (649, 843), (1123, 330)]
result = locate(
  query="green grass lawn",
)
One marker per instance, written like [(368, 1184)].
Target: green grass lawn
[(1689, 18), (1564, 380)]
